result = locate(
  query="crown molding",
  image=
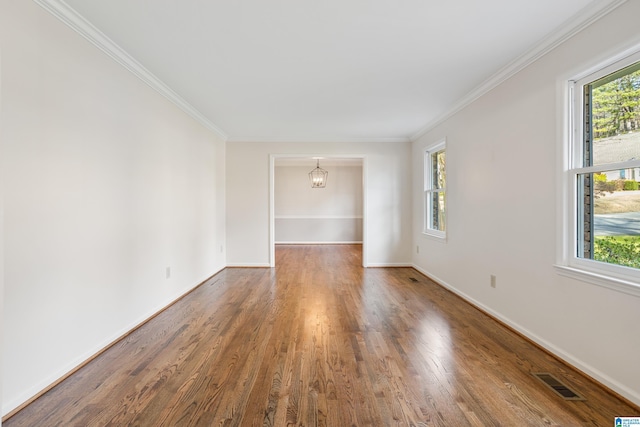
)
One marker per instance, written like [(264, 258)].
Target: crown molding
[(565, 31), (78, 23), (319, 140)]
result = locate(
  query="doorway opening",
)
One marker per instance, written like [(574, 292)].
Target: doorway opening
[(302, 215)]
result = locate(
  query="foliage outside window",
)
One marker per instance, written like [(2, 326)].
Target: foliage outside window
[(606, 168), (435, 190)]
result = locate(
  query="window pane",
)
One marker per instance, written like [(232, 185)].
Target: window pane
[(438, 164), (438, 211), (611, 217), (614, 118)]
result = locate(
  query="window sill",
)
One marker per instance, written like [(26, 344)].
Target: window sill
[(600, 279)]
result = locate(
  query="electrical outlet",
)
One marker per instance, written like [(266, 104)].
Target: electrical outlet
[(168, 272), (418, 249), (221, 248), (493, 281)]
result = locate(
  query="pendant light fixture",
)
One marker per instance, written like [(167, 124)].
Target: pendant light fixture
[(318, 176)]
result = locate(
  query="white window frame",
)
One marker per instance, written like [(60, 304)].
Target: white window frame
[(617, 277), (429, 190)]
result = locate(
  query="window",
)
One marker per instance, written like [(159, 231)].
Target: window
[(603, 236), (435, 184)]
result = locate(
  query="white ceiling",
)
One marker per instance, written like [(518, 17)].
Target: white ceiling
[(333, 69)]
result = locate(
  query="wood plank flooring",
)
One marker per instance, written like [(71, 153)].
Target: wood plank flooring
[(320, 341)]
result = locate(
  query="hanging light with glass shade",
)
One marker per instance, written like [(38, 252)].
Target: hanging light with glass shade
[(318, 176)]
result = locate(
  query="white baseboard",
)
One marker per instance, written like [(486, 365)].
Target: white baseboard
[(320, 243), (249, 265), (568, 358), (389, 264)]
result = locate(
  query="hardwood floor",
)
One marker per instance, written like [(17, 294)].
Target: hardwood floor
[(320, 341)]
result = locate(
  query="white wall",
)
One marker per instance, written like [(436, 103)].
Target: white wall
[(106, 184), (387, 193), (318, 215), (502, 158)]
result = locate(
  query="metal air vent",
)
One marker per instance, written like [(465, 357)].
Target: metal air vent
[(558, 386)]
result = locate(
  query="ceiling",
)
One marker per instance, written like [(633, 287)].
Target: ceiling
[(299, 70)]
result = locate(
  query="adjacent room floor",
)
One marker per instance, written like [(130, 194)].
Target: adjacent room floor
[(320, 341)]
